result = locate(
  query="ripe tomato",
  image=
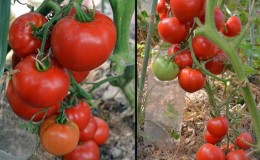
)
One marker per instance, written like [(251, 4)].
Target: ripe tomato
[(15, 60), (217, 64), (186, 10), (164, 70), (191, 80), (88, 132), (230, 147), (89, 150), (40, 89), (58, 139), (246, 137), (24, 110), (79, 114), (79, 76), (218, 126), (233, 26), (237, 155), (209, 138), (219, 18), (210, 152), (183, 59), (81, 46), (172, 30), (161, 7), (163, 15), (21, 38), (203, 48), (102, 132)]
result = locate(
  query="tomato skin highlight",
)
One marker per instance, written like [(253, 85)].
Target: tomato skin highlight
[(233, 26), (102, 133), (210, 152), (186, 10), (40, 89), (218, 126), (79, 114), (89, 131), (21, 39), (237, 155), (25, 111), (172, 30), (245, 136), (191, 80), (209, 138), (203, 48), (58, 139), (82, 46), (89, 150)]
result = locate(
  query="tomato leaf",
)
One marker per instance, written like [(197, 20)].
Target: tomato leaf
[(175, 135), (4, 27), (249, 70)]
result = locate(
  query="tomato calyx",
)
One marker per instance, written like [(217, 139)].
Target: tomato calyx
[(81, 16), (42, 64), (62, 118)]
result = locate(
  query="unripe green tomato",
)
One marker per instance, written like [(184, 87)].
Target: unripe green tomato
[(165, 70)]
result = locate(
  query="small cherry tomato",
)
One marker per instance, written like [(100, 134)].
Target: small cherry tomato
[(102, 132), (246, 137), (237, 155), (233, 26), (217, 64), (161, 7), (89, 131), (209, 138), (210, 152), (218, 126), (79, 76)]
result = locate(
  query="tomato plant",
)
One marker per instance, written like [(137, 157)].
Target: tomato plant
[(217, 126), (164, 70), (102, 133), (58, 139), (243, 139), (191, 80), (210, 152)]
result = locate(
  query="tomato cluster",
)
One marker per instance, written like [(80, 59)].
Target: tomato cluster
[(43, 89), (176, 27), (217, 128)]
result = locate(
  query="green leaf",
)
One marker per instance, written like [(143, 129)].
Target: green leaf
[(249, 70), (4, 28), (175, 135)]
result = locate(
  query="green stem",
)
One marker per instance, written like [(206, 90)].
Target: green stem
[(210, 32), (212, 99), (98, 84), (47, 6), (128, 92), (241, 36), (221, 3)]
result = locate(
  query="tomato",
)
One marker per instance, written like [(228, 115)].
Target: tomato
[(233, 26), (191, 80), (246, 137), (161, 7), (230, 147), (40, 89), (58, 139), (203, 48), (217, 64), (24, 110), (88, 132), (89, 150), (102, 133), (186, 10), (163, 15), (82, 46), (172, 30), (183, 59), (210, 152), (79, 114), (164, 70), (21, 39), (237, 155), (15, 60), (218, 126), (209, 138), (79, 76)]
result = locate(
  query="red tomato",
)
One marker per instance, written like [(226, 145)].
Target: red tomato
[(246, 137), (81, 46), (172, 30), (88, 132), (237, 155), (210, 152), (15, 60), (79, 114), (21, 38), (163, 15), (203, 48), (209, 138), (191, 80), (218, 126), (186, 10), (183, 59), (233, 26), (24, 110), (79, 76), (161, 7), (230, 147), (219, 18), (89, 150), (102, 132), (40, 89), (58, 139), (217, 64)]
